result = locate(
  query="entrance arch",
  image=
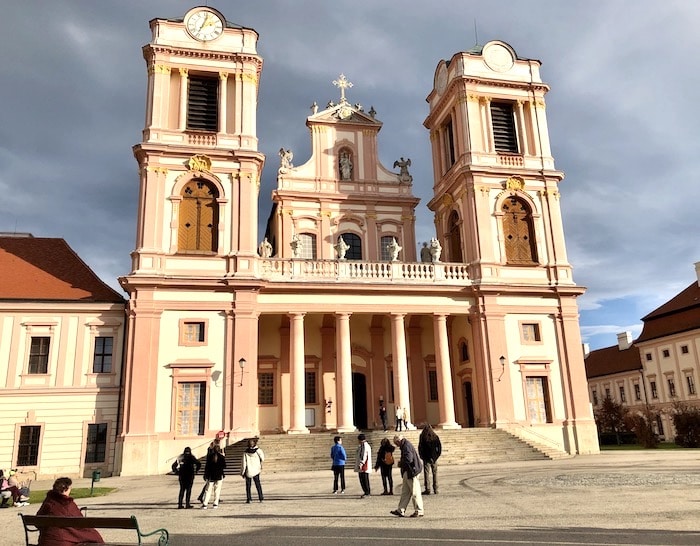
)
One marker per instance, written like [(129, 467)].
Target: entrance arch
[(359, 400), (469, 403)]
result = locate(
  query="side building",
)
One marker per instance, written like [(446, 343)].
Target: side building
[(660, 368), (61, 339)]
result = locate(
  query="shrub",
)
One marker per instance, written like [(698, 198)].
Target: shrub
[(686, 420), (642, 424)]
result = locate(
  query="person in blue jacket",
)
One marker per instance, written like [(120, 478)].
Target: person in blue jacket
[(338, 456)]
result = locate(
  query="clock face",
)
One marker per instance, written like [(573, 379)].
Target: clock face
[(204, 25)]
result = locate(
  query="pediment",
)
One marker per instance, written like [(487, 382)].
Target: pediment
[(344, 113)]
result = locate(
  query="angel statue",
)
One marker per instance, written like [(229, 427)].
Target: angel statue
[(435, 250), (394, 249), (265, 248), (295, 243), (286, 157), (341, 247), (403, 165)]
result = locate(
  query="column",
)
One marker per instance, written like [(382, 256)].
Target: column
[(182, 119), (446, 401), (343, 373), (223, 77), (398, 343), (296, 369)]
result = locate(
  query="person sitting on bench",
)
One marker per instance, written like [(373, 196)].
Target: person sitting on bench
[(8, 491), (58, 502)]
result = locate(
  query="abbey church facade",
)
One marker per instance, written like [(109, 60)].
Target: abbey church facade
[(330, 312)]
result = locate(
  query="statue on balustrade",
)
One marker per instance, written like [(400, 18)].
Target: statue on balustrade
[(394, 249), (341, 247)]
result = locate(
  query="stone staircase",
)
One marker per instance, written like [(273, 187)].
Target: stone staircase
[(285, 453)]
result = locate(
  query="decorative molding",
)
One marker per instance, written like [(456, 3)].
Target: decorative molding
[(447, 200), (162, 69), (200, 163), (514, 183), (184, 72)]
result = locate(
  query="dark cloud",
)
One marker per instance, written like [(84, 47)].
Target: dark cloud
[(622, 116)]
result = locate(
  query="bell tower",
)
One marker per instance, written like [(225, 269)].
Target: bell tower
[(496, 205), (199, 162), (496, 196)]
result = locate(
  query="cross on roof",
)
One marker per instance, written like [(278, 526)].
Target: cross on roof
[(342, 83)]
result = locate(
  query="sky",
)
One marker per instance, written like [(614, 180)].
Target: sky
[(623, 116)]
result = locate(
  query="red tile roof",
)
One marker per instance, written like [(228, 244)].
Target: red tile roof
[(611, 360), (46, 269), (679, 314)]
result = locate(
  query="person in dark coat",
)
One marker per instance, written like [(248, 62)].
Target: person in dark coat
[(58, 502), (214, 473), (385, 463), (186, 466), (411, 468), (429, 449)]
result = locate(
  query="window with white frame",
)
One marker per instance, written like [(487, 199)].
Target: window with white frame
[(432, 386), (102, 358), (623, 398), (28, 445), (671, 387), (654, 390), (266, 388), (538, 403), (690, 382), (39, 355), (191, 396), (308, 246), (637, 392)]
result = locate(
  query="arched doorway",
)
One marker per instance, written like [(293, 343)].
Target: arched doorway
[(359, 400), (469, 404)]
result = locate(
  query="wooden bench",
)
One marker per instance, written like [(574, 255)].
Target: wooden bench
[(34, 524)]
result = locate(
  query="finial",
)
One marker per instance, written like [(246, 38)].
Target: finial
[(342, 83)]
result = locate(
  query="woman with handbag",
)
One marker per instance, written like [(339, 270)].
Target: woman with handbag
[(385, 463)]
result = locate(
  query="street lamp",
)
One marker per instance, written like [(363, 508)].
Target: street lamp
[(242, 362), (502, 360)]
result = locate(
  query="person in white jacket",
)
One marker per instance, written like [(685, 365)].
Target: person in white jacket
[(363, 465), (251, 467)]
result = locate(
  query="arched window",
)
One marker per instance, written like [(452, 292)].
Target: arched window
[(455, 238), (355, 244), (464, 351), (308, 246), (199, 217), (518, 231)]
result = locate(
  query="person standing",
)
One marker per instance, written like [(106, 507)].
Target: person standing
[(429, 449), (58, 502), (382, 414), (186, 466), (385, 463), (411, 468), (399, 418), (362, 464), (251, 467), (214, 471), (338, 456), (215, 442)]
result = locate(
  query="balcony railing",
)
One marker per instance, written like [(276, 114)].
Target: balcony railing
[(299, 270)]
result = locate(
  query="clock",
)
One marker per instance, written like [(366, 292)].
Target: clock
[(204, 24)]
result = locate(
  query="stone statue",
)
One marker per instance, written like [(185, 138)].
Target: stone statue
[(425, 255), (296, 246), (345, 166), (286, 157), (341, 247), (314, 108), (403, 165), (394, 249), (435, 250), (265, 248)]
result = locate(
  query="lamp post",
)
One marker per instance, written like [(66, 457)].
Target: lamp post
[(502, 360), (242, 362)]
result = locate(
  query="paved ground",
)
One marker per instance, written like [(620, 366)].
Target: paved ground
[(641, 498)]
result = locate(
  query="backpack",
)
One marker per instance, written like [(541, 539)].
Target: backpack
[(388, 458)]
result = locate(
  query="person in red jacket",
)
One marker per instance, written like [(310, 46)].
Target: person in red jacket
[(58, 502)]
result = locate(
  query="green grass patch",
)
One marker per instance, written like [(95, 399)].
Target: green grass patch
[(37, 497), (637, 447)]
